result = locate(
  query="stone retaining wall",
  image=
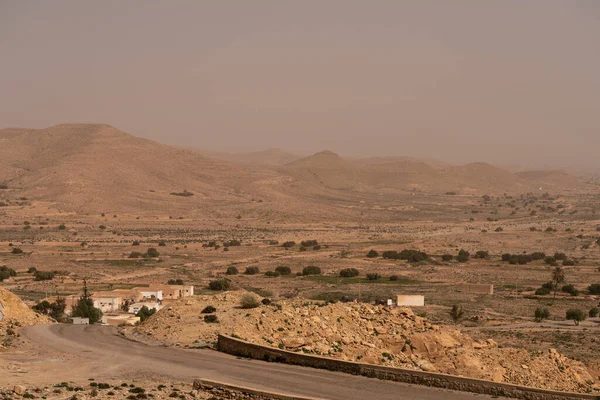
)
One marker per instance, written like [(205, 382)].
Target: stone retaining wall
[(242, 348), (227, 391)]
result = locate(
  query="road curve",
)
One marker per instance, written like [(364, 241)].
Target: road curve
[(100, 344)]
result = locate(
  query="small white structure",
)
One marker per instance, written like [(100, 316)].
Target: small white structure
[(80, 321), (390, 302), (135, 307), (411, 300)]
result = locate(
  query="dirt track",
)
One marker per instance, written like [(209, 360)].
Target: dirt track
[(102, 352)]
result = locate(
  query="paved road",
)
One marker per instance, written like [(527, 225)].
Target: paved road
[(104, 347)]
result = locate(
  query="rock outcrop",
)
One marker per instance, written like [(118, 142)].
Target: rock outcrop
[(390, 336)]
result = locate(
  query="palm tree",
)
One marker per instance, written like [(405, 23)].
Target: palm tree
[(558, 276)]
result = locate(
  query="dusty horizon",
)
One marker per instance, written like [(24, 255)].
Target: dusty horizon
[(509, 83)]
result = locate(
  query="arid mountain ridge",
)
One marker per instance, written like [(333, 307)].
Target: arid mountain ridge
[(96, 167)]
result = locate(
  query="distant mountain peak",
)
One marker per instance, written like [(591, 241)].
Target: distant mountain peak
[(327, 153)]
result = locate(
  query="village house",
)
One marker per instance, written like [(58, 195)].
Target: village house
[(173, 292), (149, 293), (107, 302), (133, 295)]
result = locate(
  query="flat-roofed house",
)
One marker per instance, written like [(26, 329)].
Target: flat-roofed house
[(173, 292), (107, 302), (149, 293), (132, 294)]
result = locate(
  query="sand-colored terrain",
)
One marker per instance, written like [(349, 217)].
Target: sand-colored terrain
[(79, 199), (361, 332)]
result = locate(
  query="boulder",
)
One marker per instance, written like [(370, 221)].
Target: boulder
[(20, 390)]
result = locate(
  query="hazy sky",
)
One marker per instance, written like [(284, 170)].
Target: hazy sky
[(501, 81)]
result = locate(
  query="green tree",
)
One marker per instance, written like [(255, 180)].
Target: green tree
[(85, 307), (311, 270), (54, 310), (252, 271), (249, 300), (482, 254), (576, 315), (558, 277), (457, 313), (372, 254), (152, 252), (220, 284), (43, 275), (349, 272), (463, 256), (232, 270), (572, 290), (125, 305), (541, 314), (145, 312), (594, 288), (6, 273), (283, 270)]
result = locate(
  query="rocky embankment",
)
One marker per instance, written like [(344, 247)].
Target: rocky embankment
[(388, 336), (15, 314)]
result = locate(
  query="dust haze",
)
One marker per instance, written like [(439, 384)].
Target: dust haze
[(235, 191), (510, 83)]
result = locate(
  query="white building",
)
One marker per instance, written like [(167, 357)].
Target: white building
[(135, 307), (150, 293), (411, 300), (107, 302), (80, 321), (173, 292)]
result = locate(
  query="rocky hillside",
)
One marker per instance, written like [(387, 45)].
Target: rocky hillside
[(97, 168), (271, 157), (550, 179), (15, 314), (361, 332), (93, 167), (403, 175)]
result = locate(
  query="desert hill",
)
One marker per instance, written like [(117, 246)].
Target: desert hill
[(431, 162), (550, 178), (333, 171), (14, 312), (480, 175), (269, 157), (97, 168), (328, 169)]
